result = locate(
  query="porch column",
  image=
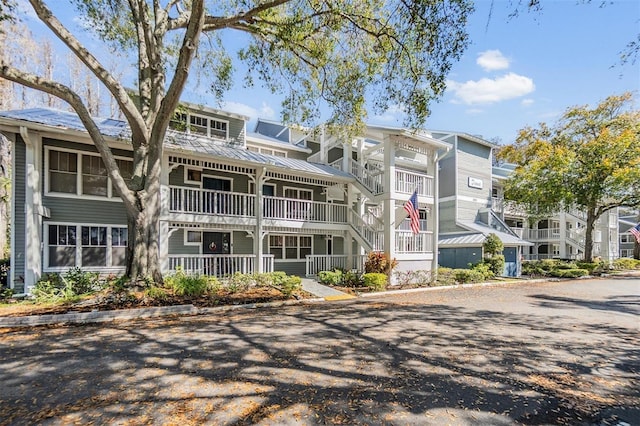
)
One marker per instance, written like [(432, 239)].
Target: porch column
[(347, 154), (348, 239), (388, 203), (258, 248), (164, 214), (563, 236), (33, 209)]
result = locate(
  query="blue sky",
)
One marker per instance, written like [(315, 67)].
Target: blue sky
[(516, 72)]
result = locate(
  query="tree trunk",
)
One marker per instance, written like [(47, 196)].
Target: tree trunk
[(143, 252), (5, 195), (588, 235)]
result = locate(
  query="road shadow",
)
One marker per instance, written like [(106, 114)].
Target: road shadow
[(363, 362)]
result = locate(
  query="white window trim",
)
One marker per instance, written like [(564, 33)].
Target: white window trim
[(284, 247), (252, 188), (284, 190), (78, 246), (192, 243), (217, 177), (267, 150), (186, 175), (111, 195), (209, 127)]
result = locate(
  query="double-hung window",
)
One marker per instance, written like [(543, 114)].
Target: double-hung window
[(290, 247), (82, 174), (63, 172), (86, 246)]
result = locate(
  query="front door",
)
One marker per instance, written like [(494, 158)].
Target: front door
[(216, 242), (510, 261)]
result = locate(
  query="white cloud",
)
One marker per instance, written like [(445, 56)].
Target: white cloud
[(487, 91), (265, 110), (491, 60), (527, 102), (391, 115)]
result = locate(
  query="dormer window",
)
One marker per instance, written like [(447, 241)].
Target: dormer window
[(200, 125)]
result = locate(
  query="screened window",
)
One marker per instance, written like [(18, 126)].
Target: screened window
[(62, 245), (119, 241), (94, 246), (86, 246), (94, 176), (63, 172), (194, 237), (294, 247), (276, 244), (219, 129), (198, 125), (126, 170)]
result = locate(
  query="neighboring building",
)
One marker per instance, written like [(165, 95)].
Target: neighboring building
[(231, 200), (627, 220), (561, 236), (469, 212)]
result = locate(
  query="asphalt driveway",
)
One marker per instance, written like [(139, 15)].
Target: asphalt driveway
[(549, 353)]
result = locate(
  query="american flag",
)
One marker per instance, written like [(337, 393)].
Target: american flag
[(636, 232), (411, 207)]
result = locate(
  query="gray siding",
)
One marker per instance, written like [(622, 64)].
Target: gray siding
[(19, 224), (85, 211), (291, 268), (242, 244), (176, 244), (447, 177), (459, 257)]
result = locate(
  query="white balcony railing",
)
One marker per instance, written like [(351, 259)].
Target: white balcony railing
[(405, 225), (373, 236), (219, 265), (324, 262), (204, 201), (408, 242), (303, 210), (544, 234), (407, 182), (208, 202)]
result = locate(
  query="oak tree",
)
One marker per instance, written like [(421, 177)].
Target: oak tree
[(588, 160), (338, 54)]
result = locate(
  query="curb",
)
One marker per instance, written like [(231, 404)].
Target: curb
[(451, 287), (135, 313), (190, 310)]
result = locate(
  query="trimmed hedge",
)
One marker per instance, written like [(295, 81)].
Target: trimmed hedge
[(569, 273), (375, 281)]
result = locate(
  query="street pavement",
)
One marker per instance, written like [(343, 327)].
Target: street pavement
[(543, 353)]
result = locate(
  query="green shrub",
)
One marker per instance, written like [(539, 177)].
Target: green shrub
[(464, 276), (375, 281), (5, 267), (625, 263), (532, 268), (239, 282), (548, 264), (82, 282), (592, 267), (569, 273), (379, 262), (190, 285), (351, 279), (566, 265), (291, 285), (484, 268), (445, 276), (333, 278), (495, 265), (156, 293), (6, 293)]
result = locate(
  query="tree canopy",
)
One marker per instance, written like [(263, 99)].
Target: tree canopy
[(589, 159), (338, 53)]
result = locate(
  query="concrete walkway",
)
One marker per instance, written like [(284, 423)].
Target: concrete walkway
[(327, 293)]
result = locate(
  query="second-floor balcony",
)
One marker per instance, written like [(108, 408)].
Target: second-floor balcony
[(240, 205)]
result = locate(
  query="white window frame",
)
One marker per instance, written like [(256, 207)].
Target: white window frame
[(284, 246), (192, 243), (217, 120), (284, 191), (186, 175), (268, 151), (111, 195), (78, 248), (252, 188)]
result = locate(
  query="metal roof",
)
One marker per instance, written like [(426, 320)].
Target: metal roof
[(478, 235), (175, 141)]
